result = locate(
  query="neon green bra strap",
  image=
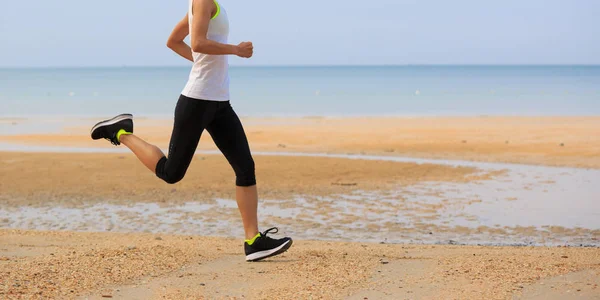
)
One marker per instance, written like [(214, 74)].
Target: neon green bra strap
[(218, 10)]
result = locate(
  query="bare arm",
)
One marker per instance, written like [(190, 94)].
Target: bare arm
[(177, 37), (202, 10)]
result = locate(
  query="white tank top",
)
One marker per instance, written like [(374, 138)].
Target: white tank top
[(209, 78)]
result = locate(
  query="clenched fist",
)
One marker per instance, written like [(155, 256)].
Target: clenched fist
[(245, 49)]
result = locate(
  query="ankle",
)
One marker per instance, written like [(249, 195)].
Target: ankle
[(122, 134), (252, 235)]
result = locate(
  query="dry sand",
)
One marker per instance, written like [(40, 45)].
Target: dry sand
[(558, 141), (69, 265)]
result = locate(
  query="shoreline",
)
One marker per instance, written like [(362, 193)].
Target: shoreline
[(169, 116), (552, 141)]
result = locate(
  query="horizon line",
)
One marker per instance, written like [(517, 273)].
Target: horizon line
[(304, 66)]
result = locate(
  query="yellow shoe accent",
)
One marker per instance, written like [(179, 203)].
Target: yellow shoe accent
[(121, 132), (250, 242)]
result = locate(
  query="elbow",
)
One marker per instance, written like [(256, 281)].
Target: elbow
[(198, 49), (199, 46), (171, 43)]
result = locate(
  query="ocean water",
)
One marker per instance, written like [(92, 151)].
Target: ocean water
[(310, 91)]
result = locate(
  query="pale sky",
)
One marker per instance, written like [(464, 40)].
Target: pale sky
[(36, 33)]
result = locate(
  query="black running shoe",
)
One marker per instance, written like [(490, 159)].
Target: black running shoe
[(264, 246), (108, 129)]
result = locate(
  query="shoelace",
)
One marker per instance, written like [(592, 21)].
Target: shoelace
[(113, 140), (270, 230)]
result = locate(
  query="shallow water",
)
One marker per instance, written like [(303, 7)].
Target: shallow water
[(527, 205)]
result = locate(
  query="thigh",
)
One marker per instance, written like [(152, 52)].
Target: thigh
[(228, 134), (191, 117)]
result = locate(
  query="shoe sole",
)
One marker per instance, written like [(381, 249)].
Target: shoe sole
[(257, 256), (112, 121)]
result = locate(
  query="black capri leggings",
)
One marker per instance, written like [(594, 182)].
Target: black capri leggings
[(192, 116)]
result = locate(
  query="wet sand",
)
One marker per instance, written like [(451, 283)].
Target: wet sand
[(68, 265), (330, 198), (36, 179), (556, 141)]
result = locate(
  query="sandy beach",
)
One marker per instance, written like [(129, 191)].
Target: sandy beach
[(69, 265), (370, 219)]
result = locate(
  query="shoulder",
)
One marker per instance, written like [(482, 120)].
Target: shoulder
[(204, 3), (205, 7)]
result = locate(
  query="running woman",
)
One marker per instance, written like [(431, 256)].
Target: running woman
[(204, 104)]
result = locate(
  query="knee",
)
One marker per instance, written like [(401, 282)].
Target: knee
[(173, 179), (245, 174), (167, 175)]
